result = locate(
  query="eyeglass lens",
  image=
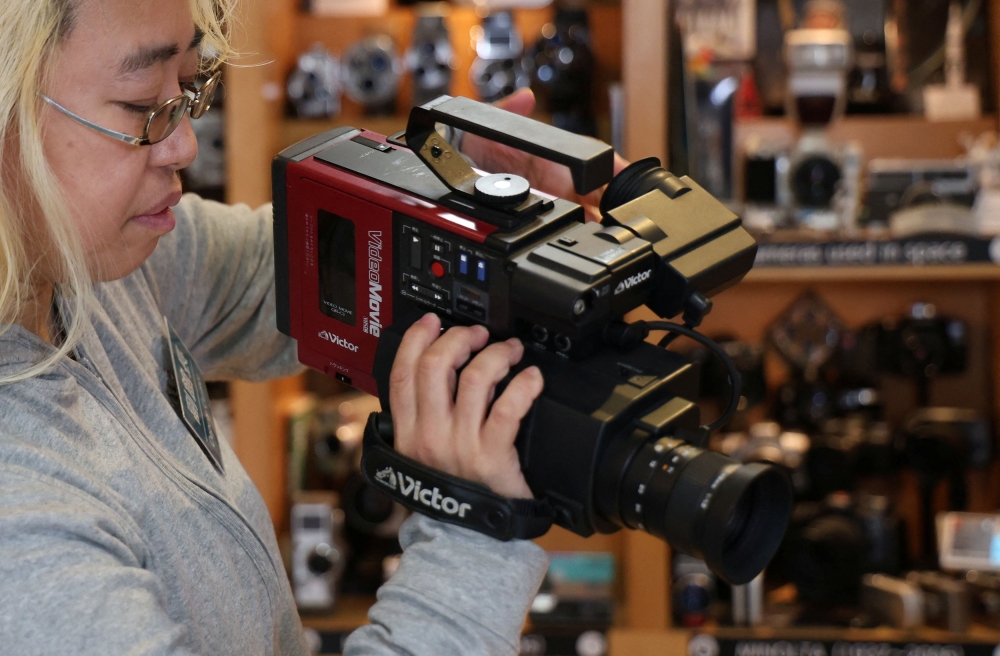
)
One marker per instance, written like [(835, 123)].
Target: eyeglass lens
[(206, 94), (167, 118)]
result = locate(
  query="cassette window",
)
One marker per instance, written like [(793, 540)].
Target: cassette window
[(337, 273)]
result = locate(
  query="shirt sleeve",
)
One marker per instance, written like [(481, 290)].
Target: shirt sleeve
[(71, 578), (213, 276), (455, 592)]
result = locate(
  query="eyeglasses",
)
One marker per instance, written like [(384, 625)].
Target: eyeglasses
[(163, 119)]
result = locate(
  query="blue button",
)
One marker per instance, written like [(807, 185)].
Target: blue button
[(481, 270), (463, 264)]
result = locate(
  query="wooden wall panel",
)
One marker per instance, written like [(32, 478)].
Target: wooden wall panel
[(645, 642), (252, 122), (644, 76)]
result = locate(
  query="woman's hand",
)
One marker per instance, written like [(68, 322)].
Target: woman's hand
[(542, 174), (444, 420)]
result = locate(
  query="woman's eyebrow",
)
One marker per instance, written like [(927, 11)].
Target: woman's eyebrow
[(148, 56)]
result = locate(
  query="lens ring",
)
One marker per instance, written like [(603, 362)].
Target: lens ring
[(738, 548), (635, 493), (166, 118), (203, 100)]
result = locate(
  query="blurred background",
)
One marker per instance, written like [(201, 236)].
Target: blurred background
[(858, 141)]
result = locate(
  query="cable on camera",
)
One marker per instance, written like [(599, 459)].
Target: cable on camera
[(734, 376)]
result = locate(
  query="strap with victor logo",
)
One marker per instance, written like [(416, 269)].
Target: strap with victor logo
[(445, 497)]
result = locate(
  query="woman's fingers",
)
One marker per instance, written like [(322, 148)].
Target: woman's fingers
[(435, 391), (507, 412), (475, 391), (441, 419), (402, 379), (497, 451)]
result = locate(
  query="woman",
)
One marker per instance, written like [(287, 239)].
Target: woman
[(124, 527)]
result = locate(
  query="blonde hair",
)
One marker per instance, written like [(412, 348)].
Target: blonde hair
[(30, 31)]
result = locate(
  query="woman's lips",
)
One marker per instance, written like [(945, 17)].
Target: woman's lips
[(162, 222)]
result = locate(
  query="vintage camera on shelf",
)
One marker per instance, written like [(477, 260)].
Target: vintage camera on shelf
[(895, 185), (816, 184), (827, 380), (694, 591), (830, 546), (562, 67), (967, 545), (499, 68), (430, 59), (985, 588), (947, 600), (844, 453), (318, 551), (766, 441), (868, 87), (920, 345), (369, 519), (370, 233), (371, 73), (920, 598), (314, 88)]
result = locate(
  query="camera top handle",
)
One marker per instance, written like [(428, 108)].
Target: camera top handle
[(591, 162)]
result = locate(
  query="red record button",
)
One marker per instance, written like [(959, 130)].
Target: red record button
[(437, 269)]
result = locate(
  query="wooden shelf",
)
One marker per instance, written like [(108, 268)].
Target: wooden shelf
[(977, 633), (944, 273), (635, 642), (349, 613)]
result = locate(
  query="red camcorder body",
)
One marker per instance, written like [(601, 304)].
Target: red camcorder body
[(371, 232)]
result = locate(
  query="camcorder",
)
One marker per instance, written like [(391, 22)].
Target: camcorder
[(372, 232)]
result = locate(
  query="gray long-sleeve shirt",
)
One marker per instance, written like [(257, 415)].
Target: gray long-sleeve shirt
[(118, 536)]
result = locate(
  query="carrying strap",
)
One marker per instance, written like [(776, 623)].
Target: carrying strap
[(445, 497)]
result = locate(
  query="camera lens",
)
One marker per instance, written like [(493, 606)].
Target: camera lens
[(815, 180), (704, 504)]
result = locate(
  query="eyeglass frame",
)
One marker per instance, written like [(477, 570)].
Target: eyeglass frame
[(189, 94)]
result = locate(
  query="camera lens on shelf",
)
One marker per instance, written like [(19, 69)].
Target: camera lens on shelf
[(815, 180)]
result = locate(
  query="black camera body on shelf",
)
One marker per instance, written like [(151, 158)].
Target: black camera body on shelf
[(373, 232)]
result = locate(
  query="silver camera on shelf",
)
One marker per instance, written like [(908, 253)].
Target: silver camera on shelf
[(894, 185), (314, 86), (318, 552), (498, 69), (430, 59), (816, 183), (371, 73)]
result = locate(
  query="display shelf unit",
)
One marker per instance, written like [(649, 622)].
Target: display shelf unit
[(272, 32)]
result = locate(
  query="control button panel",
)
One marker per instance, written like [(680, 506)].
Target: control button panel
[(444, 272)]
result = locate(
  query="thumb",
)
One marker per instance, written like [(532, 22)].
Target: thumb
[(520, 102)]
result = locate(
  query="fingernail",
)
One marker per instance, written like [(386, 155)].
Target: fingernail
[(427, 318), (534, 372)]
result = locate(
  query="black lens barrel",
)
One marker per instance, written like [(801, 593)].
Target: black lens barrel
[(731, 515)]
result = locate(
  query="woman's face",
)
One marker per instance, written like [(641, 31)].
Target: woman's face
[(121, 58)]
